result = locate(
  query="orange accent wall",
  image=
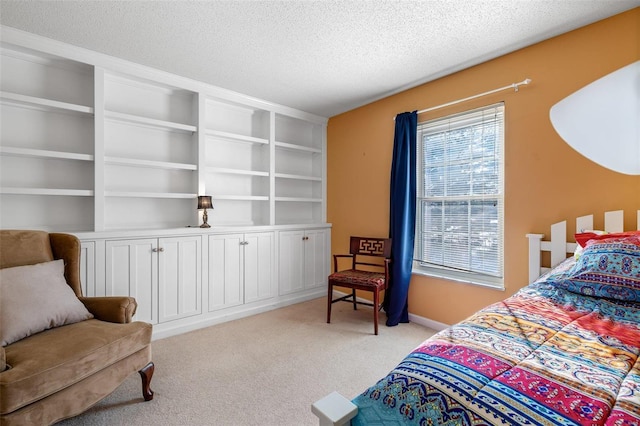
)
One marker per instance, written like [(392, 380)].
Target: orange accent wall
[(546, 181)]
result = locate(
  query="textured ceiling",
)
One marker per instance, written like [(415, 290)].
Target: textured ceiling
[(323, 57)]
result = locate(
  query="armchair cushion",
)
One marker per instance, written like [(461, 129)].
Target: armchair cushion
[(118, 309), (73, 353), (36, 298)]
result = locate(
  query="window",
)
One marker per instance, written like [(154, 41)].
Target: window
[(459, 218)]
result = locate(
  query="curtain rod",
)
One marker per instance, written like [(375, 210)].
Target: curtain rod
[(511, 86)]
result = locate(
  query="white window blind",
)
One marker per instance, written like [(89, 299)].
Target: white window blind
[(459, 218)]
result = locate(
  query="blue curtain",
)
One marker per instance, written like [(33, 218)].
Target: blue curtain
[(402, 217)]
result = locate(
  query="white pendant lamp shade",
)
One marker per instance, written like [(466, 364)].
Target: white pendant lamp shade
[(602, 120)]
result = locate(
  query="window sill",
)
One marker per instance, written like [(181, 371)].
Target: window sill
[(460, 277)]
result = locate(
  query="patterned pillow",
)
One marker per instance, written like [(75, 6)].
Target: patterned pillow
[(606, 268), (583, 238)]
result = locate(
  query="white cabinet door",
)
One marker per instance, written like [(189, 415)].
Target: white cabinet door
[(303, 259), (258, 266), (225, 271), (164, 276), (132, 270), (88, 268), (291, 261), (241, 269), (179, 277), (315, 258)]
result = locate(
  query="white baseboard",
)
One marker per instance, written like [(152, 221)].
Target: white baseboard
[(429, 323), (184, 325), (172, 328), (425, 322)]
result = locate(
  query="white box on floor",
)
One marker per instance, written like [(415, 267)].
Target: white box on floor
[(334, 410)]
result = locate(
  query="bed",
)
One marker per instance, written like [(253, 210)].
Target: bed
[(563, 350)]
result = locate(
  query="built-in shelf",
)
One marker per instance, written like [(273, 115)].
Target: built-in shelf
[(241, 197), (295, 147), (121, 161), (237, 171), (42, 103), (47, 191), (299, 199), (42, 153), (150, 122), (298, 177), (234, 137), (135, 194)]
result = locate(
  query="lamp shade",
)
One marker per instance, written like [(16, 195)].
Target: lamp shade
[(602, 120), (204, 202)]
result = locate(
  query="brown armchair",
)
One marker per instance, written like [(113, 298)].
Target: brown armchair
[(60, 372)]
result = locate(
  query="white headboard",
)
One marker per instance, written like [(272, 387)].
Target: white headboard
[(558, 245)]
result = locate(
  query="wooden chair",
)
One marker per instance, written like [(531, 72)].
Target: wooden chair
[(362, 250)]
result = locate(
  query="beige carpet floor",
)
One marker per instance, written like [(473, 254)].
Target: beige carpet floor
[(262, 370)]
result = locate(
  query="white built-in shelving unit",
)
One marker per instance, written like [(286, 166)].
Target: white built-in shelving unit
[(299, 171), (237, 162), (117, 153), (90, 143), (150, 153), (47, 151)]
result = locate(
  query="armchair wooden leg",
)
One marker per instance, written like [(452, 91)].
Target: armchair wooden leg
[(146, 373), (376, 301), (329, 302)]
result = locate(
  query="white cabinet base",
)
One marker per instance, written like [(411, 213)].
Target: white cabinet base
[(186, 279), (173, 328)]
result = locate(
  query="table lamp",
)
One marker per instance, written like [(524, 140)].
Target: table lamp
[(204, 203)]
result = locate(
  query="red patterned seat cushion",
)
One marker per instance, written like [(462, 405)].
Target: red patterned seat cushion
[(353, 276)]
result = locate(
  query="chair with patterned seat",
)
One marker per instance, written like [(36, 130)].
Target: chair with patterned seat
[(363, 252)]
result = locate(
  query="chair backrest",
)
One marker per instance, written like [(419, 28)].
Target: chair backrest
[(369, 247), (25, 247)]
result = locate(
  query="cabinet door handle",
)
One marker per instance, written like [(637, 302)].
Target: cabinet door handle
[(156, 250), (244, 243)]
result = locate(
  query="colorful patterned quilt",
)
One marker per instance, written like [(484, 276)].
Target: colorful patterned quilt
[(545, 356)]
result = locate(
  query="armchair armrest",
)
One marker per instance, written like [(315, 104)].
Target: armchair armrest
[(335, 260), (118, 309)]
